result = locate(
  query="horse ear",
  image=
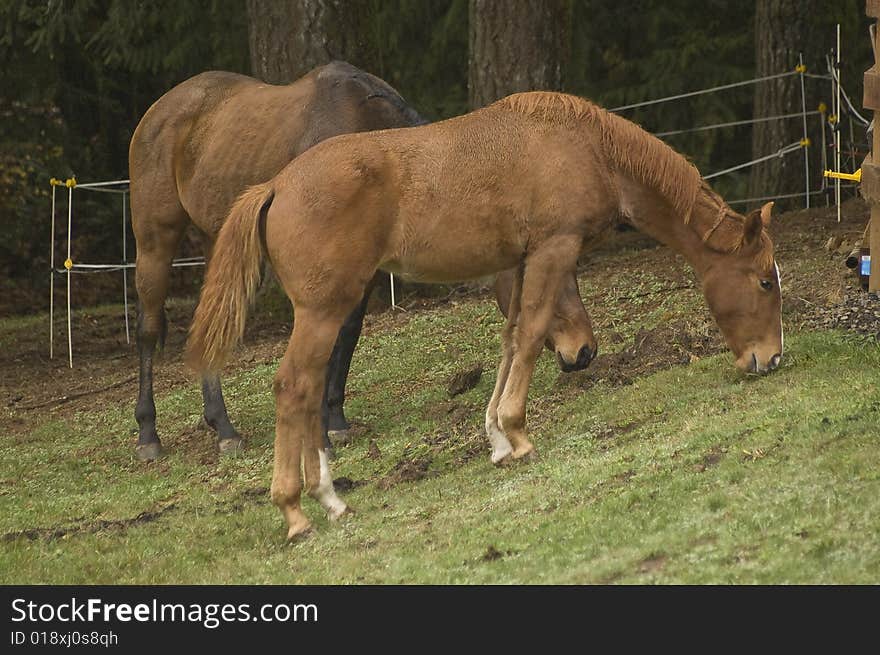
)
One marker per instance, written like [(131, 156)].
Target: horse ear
[(753, 226), (765, 213)]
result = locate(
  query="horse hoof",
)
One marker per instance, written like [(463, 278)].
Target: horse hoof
[(231, 445), (501, 457), (339, 437), (297, 533), (148, 452), (526, 456), (297, 537)]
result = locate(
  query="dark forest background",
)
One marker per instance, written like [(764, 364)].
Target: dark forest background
[(78, 75)]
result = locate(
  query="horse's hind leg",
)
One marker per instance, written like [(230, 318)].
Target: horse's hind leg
[(544, 273), (335, 424), (158, 233), (299, 387), (216, 417), (228, 438)]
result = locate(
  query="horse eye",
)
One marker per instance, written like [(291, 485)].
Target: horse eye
[(766, 285)]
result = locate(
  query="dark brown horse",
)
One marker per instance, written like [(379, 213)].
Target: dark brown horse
[(524, 183), (197, 148)]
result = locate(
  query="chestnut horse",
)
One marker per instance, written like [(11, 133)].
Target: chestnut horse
[(199, 146), (524, 183)]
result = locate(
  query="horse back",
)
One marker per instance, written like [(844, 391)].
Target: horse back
[(456, 199), (212, 136)]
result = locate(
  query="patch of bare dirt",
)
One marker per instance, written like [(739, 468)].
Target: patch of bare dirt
[(373, 451), (710, 459), (465, 380), (33, 386), (492, 554), (88, 527), (857, 312), (649, 351), (652, 564), (345, 484), (406, 470)]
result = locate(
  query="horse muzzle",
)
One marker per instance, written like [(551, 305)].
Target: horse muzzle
[(753, 365)]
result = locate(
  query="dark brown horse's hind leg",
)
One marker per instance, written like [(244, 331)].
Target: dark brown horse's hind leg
[(157, 241), (335, 424), (148, 446), (215, 415), (228, 438)]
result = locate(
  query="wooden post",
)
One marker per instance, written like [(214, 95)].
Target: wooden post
[(871, 182)]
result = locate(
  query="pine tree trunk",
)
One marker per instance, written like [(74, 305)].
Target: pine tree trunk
[(781, 32), (290, 37), (516, 45)]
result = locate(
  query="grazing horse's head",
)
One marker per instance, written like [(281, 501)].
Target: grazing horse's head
[(742, 289)]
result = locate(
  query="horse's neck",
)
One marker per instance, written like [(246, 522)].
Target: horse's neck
[(653, 214)]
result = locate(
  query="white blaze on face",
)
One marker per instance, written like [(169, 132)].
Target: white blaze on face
[(325, 493), (781, 328), (501, 447)]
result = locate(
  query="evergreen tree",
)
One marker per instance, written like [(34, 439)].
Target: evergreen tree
[(516, 46), (290, 37)]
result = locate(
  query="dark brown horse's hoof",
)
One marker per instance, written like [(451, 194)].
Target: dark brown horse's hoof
[(148, 452), (230, 446)]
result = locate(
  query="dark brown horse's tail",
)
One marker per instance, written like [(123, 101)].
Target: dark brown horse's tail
[(231, 281)]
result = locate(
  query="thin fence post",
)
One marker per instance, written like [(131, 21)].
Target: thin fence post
[(68, 264), (852, 144), (124, 262), (837, 124), (802, 69), (823, 117), (52, 278)]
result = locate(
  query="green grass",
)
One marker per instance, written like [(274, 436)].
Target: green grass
[(695, 474)]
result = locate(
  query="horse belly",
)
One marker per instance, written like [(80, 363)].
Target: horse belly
[(453, 257)]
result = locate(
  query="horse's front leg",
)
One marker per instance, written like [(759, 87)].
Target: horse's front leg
[(542, 279), (501, 448)]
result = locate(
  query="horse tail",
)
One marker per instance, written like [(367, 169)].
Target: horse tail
[(231, 282)]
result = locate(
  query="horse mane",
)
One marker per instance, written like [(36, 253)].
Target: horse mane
[(725, 232), (645, 158)]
